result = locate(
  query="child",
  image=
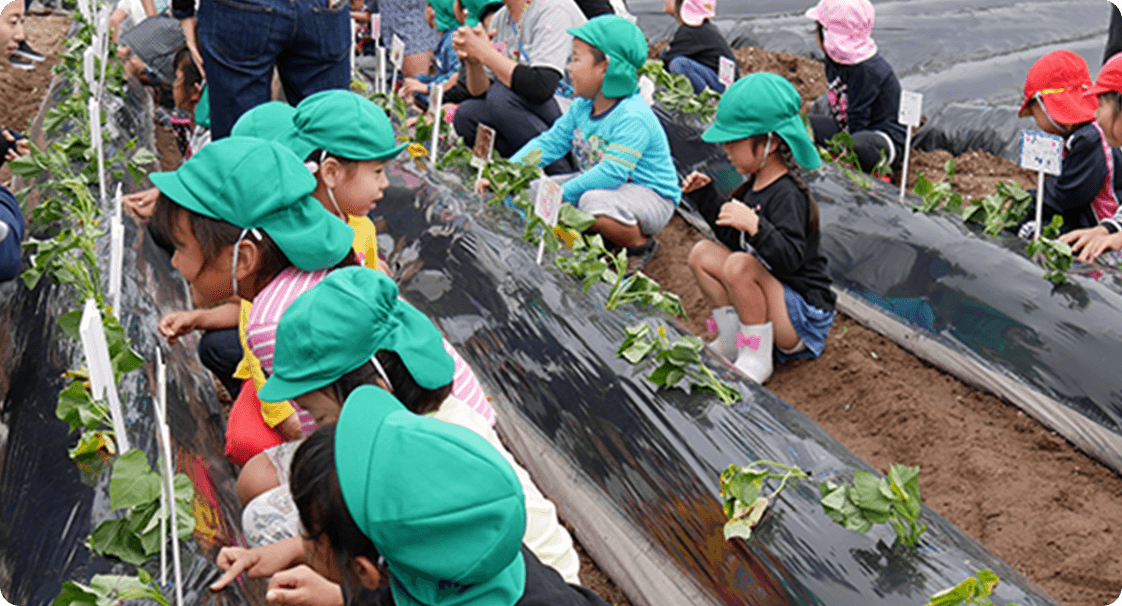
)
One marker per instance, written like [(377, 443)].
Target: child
[(441, 16), (864, 93), (373, 338), (1089, 243), (439, 503), (775, 289), (629, 183), (697, 46), (12, 223), (187, 90), (1083, 192)]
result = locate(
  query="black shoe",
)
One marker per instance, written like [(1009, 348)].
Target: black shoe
[(639, 256), (24, 50), (21, 63)]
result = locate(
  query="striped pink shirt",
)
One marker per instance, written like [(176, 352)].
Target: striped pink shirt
[(290, 283)]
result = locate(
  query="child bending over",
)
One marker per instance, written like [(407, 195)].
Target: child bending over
[(628, 181), (1083, 192), (864, 93), (696, 49), (1091, 242), (773, 289)]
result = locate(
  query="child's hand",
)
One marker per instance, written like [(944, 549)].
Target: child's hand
[(22, 147), (141, 204), (290, 428), (258, 562), (410, 86), (1090, 243), (472, 43), (695, 181), (178, 323), (739, 215), (302, 586), (482, 186)]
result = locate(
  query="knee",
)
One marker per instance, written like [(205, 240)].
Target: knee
[(743, 265), (501, 100), (256, 477), (677, 65), (704, 256)]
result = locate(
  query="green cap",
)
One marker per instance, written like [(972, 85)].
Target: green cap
[(474, 10), (441, 504), (347, 125), (340, 323), (253, 183), (445, 14), (273, 121), (202, 108), (762, 103), (623, 42)]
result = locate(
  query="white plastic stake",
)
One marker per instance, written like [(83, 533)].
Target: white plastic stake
[(89, 59), (547, 205), (727, 72), (165, 501), (911, 108), (1043, 153), (164, 436), (116, 253), (382, 70), (646, 89), (436, 100), (102, 381), (354, 47), (95, 138)]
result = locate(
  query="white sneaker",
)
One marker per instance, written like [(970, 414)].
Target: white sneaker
[(724, 323), (754, 344)]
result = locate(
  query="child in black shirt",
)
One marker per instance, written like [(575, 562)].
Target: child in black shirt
[(864, 92), (767, 278), (697, 46)]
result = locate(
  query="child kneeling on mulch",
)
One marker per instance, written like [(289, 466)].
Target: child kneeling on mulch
[(768, 281), (1091, 242), (1055, 96), (628, 181), (696, 49)]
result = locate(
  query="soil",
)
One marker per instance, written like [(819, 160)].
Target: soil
[(1020, 490)]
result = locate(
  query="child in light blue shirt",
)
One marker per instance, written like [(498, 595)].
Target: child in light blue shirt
[(627, 179)]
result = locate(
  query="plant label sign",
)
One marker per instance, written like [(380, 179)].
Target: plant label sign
[(1041, 152), (376, 27), (911, 108), (102, 381), (547, 204), (484, 144), (397, 52), (647, 89), (89, 57), (727, 72)]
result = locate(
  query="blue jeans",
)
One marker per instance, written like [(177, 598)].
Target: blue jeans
[(699, 75), (514, 119), (241, 41)]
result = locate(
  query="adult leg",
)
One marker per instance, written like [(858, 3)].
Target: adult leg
[(220, 351), (406, 18), (700, 76), (468, 117), (315, 57), (516, 120), (868, 145), (239, 41)]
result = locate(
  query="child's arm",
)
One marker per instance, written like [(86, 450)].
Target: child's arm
[(1082, 173), (178, 323), (780, 236), (862, 90), (10, 244), (553, 143)]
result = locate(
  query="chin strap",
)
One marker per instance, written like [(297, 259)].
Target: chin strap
[(234, 262), (382, 371), (767, 148), (331, 195)]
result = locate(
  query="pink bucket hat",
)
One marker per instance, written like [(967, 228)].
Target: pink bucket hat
[(695, 12), (848, 26)]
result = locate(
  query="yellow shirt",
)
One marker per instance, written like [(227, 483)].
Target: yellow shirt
[(366, 249)]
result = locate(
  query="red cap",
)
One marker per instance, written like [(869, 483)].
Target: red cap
[(1110, 78), (1059, 80)]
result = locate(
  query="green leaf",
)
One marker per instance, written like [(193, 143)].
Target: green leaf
[(112, 538), (637, 351), (145, 156), (184, 488), (27, 167), (574, 218), (78, 409), (133, 482), (73, 594), (955, 595), (866, 494), (739, 527), (69, 322)]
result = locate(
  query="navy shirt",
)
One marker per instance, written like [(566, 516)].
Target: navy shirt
[(703, 43), (12, 217), (865, 96), (1082, 175)]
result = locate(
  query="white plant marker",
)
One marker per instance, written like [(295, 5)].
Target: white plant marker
[(102, 382), (1044, 154), (436, 100), (484, 144), (547, 204), (164, 436), (397, 56), (166, 500), (727, 73), (911, 108), (381, 70), (116, 253), (354, 47), (647, 89)]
